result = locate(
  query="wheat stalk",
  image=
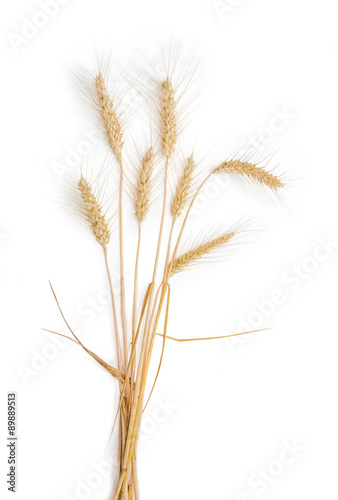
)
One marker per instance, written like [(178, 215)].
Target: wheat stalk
[(113, 132), (142, 204), (93, 212), (252, 171)]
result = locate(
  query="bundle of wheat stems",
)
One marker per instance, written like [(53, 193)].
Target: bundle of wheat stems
[(135, 336)]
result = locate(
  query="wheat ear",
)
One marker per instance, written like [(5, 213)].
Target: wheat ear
[(192, 256), (144, 184), (169, 117), (252, 171), (93, 212), (183, 190), (109, 116)]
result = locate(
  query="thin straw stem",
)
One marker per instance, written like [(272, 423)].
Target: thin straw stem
[(114, 309), (123, 413), (169, 242), (135, 479), (133, 365), (162, 219), (163, 345), (136, 278), (123, 293), (212, 338)]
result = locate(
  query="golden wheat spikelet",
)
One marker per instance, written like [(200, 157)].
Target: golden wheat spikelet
[(191, 256), (109, 116), (183, 188), (144, 184), (93, 212), (169, 117), (252, 171)]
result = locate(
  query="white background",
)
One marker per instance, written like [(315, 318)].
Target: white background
[(233, 407)]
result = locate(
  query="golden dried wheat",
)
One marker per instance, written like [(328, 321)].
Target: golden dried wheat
[(143, 188), (93, 212), (109, 116), (169, 117), (191, 256), (134, 352), (257, 174), (183, 188)]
